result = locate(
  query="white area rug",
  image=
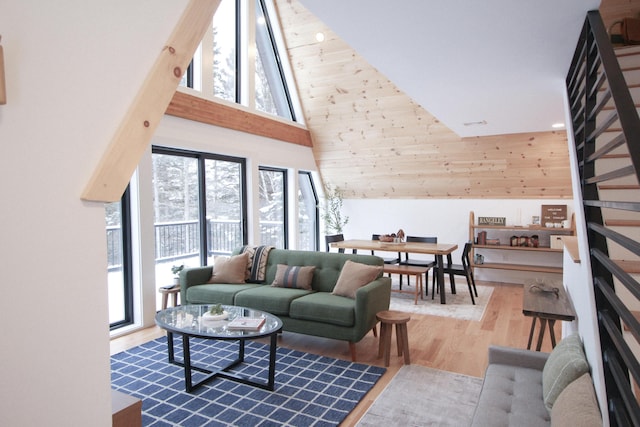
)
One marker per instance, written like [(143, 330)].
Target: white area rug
[(421, 396), (458, 305)]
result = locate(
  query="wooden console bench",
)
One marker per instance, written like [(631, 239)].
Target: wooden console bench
[(408, 270), (546, 301), (126, 411)]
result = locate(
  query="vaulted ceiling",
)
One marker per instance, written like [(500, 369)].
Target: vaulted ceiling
[(375, 140)]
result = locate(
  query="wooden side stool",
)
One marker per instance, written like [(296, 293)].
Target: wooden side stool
[(174, 291), (387, 319), (408, 270)]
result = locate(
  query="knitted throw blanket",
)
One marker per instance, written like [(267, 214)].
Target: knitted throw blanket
[(257, 266)]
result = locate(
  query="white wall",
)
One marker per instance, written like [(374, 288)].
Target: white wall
[(72, 69), (448, 219)]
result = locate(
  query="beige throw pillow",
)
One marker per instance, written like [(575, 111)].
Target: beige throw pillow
[(295, 277), (230, 270), (353, 276), (577, 405)]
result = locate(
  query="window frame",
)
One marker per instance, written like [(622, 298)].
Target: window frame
[(285, 200), (127, 260), (202, 207), (314, 192)]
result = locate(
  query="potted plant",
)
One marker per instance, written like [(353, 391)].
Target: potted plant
[(215, 312), (176, 269)]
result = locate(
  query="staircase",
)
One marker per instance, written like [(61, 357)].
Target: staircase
[(602, 86)]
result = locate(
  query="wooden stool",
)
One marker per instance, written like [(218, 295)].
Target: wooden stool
[(409, 270), (387, 320), (173, 291)]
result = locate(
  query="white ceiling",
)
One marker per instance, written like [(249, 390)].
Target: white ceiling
[(499, 61)]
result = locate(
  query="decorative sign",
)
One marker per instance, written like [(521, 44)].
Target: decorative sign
[(553, 213), (492, 220)]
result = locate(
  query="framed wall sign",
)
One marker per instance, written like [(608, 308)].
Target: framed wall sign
[(492, 220), (553, 213)]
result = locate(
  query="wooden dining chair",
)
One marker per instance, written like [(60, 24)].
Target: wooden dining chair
[(463, 269), (334, 238), (428, 263), (387, 260)]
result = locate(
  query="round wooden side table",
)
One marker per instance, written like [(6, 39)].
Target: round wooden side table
[(174, 291), (387, 319)]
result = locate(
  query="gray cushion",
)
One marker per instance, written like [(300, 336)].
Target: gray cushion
[(566, 363), (511, 396)]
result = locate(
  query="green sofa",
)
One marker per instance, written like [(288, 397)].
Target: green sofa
[(315, 312)]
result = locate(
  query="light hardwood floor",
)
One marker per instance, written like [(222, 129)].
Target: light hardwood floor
[(436, 342)]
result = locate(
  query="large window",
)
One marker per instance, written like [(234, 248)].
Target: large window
[(308, 213), (199, 208), (239, 65), (273, 207), (119, 282), (225, 63), (271, 93)]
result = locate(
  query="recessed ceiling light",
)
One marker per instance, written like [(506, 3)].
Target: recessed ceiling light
[(557, 125), (320, 36)]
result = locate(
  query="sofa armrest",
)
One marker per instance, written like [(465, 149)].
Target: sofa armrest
[(193, 277), (517, 357), (371, 299)]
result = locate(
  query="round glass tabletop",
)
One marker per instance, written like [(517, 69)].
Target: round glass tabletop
[(194, 320)]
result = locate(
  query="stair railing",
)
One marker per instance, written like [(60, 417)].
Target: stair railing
[(605, 119)]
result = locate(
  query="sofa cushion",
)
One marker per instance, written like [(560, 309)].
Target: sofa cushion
[(215, 293), (328, 265), (511, 396), (566, 363), (230, 269), (353, 276), (272, 300), (295, 277), (577, 405), (324, 307)]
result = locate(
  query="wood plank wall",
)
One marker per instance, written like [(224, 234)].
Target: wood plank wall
[(373, 141)]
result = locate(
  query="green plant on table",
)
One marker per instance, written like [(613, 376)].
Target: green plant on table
[(177, 269), (216, 309)]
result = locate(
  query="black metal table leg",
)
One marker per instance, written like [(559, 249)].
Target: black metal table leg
[(440, 273)]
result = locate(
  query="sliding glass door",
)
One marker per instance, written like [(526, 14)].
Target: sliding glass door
[(199, 207)]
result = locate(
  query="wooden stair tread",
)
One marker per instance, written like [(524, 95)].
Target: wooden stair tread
[(622, 223), (631, 267), (619, 187), (616, 156)]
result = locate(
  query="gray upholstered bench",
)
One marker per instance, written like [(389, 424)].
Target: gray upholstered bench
[(528, 388)]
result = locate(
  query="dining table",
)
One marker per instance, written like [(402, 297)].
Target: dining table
[(439, 250)]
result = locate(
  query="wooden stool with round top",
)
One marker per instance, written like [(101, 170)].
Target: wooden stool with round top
[(387, 319), (174, 291)]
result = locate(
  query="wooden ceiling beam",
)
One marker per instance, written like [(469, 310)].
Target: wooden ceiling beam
[(134, 134), (206, 111)]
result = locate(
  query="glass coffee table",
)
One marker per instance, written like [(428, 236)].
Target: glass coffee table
[(188, 321)]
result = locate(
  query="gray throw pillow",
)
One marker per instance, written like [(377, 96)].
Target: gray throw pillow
[(295, 277), (566, 363)]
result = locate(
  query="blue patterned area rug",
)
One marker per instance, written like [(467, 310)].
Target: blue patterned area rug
[(310, 390)]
